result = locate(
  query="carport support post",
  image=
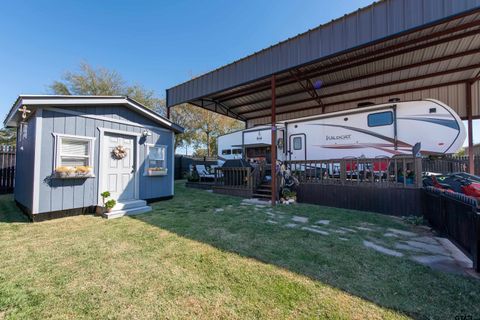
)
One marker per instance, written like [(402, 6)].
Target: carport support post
[(471, 162), (166, 104), (273, 147)]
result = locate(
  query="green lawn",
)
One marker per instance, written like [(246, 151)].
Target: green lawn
[(188, 259)]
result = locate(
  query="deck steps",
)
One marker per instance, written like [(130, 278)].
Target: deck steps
[(264, 191)]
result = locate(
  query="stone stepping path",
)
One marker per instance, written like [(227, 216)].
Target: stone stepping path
[(431, 248), (406, 247), (391, 235), (402, 232), (439, 262), (434, 252), (325, 233), (381, 249), (300, 219), (364, 228)]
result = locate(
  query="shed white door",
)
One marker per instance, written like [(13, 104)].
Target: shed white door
[(119, 174)]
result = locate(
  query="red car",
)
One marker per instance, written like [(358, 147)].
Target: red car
[(460, 182)]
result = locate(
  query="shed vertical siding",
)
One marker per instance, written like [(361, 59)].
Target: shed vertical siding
[(58, 194), (24, 164)]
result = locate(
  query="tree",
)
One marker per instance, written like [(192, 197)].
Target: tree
[(210, 125), (201, 126), (8, 136), (185, 116), (102, 81)]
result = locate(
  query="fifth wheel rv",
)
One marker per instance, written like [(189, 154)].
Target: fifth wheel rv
[(382, 130)]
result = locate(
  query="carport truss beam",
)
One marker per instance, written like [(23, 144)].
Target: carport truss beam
[(445, 84), (385, 84), (308, 87), (218, 105), (371, 75)]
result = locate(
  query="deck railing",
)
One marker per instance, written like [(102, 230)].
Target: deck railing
[(247, 178), (450, 164), (376, 172)]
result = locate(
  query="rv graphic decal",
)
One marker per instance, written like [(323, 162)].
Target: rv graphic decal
[(343, 137)]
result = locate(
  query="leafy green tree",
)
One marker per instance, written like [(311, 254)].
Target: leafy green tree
[(201, 126), (8, 136)]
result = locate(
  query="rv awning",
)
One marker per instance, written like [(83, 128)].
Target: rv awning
[(391, 49)]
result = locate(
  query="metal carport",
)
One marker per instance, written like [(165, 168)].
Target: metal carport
[(405, 49)]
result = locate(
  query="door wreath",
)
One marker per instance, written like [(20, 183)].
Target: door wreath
[(119, 152)]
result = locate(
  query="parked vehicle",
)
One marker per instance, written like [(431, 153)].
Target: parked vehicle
[(459, 182), (375, 131)]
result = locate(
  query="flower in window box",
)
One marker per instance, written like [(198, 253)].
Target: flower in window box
[(83, 170), (157, 171), (64, 171)]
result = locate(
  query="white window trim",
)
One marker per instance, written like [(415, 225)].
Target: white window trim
[(57, 153), (147, 147)]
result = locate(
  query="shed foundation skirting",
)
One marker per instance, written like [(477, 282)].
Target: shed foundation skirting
[(391, 201), (38, 217)]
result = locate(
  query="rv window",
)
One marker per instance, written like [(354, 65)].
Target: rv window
[(236, 151), (380, 119), (226, 151), (297, 143)]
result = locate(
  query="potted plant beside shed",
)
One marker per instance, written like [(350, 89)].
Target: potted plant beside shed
[(107, 204)]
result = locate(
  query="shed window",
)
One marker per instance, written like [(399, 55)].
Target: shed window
[(297, 143), (156, 158), (73, 151), (226, 151), (236, 151), (380, 119)]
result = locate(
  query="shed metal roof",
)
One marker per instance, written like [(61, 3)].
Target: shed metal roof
[(389, 47)]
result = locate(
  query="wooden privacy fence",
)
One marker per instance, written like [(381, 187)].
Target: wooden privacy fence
[(457, 217), (7, 168), (374, 172), (450, 164)]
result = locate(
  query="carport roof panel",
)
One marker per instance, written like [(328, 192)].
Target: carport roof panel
[(366, 26)]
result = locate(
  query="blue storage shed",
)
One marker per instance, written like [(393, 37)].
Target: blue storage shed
[(73, 148)]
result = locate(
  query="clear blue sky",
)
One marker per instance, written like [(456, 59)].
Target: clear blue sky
[(157, 44), (154, 43)]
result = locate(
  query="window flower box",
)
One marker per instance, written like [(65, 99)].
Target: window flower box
[(152, 172), (80, 172)]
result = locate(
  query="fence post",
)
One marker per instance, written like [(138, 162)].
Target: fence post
[(418, 172), (476, 245)]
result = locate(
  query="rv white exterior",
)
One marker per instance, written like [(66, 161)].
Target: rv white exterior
[(375, 131), (230, 145)]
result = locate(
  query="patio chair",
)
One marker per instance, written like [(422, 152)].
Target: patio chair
[(203, 173)]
